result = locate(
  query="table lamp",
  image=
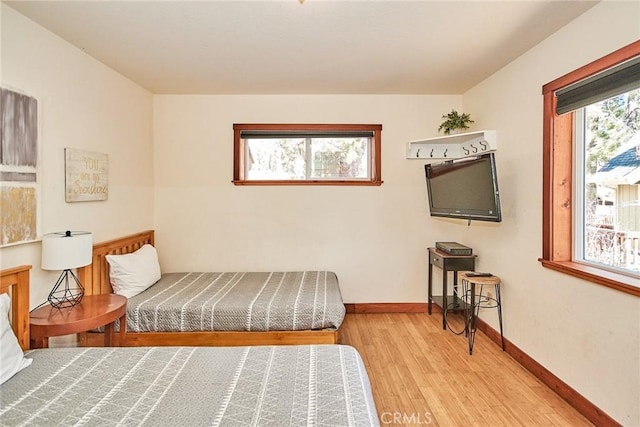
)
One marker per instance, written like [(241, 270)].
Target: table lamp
[(64, 251)]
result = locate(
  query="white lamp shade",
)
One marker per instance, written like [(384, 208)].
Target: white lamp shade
[(66, 250)]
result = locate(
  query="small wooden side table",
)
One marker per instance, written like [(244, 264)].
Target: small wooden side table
[(447, 263), (94, 311)]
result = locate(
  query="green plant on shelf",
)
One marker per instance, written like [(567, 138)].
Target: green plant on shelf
[(455, 121)]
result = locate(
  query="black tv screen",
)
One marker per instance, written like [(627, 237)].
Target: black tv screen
[(464, 189)]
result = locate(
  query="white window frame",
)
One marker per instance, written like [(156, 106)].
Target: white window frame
[(579, 220), (308, 162)]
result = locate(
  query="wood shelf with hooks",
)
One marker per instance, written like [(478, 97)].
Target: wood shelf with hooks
[(453, 147)]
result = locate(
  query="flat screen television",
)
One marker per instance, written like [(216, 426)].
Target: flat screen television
[(464, 189)]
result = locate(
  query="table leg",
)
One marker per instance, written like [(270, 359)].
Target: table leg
[(429, 286), (123, 330), (39, 343), (456, 294), (82, 339), (445, 298), (108, 334)]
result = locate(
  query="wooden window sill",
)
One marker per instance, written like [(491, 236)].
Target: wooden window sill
[(305, 182)]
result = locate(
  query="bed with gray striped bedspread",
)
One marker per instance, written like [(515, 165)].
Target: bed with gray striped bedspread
[(238, 301), (321, 385)]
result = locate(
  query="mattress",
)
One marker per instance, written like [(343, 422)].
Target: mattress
[(238, 301), (323, 385)]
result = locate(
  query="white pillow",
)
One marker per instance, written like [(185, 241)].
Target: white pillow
[(133, 273), (12, 358)]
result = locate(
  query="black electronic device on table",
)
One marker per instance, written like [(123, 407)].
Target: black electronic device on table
[(478, 274), (454, 248)]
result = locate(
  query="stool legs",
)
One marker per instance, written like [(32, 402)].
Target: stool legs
[(472, 310), (499, 301)]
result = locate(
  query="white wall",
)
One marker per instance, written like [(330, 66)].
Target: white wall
[(85, 105), (375, 238), (586, 334)]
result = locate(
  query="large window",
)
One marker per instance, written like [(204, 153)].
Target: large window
[(271, 154), (607, 183), (591, 172)]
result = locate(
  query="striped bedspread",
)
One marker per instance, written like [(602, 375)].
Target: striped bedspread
[(316, 385), (243, 301)]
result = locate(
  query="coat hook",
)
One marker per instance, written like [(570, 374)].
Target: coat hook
[(466, 151), (445, 152), (475, 150), (484, 145), (418, 153), (431, 154)]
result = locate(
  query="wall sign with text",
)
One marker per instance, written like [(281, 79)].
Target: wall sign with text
[(86, 175)]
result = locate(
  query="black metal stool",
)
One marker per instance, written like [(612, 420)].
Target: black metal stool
[(477, 300)]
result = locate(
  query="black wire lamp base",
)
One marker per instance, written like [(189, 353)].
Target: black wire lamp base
[(63, 295)]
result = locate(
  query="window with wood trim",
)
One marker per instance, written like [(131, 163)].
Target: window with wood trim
[(307, 154), (566, 228)]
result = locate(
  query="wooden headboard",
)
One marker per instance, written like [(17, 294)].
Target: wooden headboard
[(15, 282), (95, 276)]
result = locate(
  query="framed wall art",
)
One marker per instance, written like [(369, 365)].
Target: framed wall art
[(19, 189), (86, 175)]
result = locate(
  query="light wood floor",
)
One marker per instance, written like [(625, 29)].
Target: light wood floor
[(421, 374)]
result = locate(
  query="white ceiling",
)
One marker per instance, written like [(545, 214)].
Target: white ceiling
[(318, 47)]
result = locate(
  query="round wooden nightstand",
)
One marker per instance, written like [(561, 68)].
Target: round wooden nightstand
[(94, 311)]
